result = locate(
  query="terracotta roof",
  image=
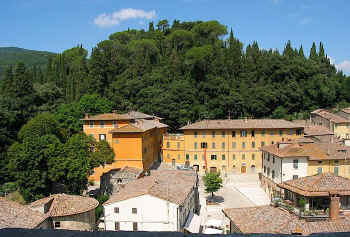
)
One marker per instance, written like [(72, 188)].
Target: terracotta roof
[(15, 215), (330, 116), (140, 125), (126, 116), (67, 205), (314, 151), (242, 124), (272, 220), (317, 131), (171, 185), (318, 185)]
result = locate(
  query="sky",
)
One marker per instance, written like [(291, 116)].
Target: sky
[(57, 25)]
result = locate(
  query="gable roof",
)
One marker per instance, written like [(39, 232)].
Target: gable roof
[(242, 124), (15, 215), (318, 185), (66, 205), (171, 185), (139, 125), (116, 116), (316, 130), (330, 116)]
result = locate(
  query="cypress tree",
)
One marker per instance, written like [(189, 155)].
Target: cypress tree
[(301, 52), (313, 53), (151, 27), (321, 53)]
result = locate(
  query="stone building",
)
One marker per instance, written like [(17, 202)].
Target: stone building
[(71, 212)]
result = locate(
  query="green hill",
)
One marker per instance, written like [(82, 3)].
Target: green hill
[(13, 55)]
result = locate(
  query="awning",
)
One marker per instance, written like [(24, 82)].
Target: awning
[(210, 231), (193, 223)]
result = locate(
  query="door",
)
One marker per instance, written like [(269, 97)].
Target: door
[(187, 164), (173, 161), (243, 169), (213, 170)]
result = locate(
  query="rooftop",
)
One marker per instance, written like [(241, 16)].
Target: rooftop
[(139, 125), (66, 205), (242, 124), (330, 116), (346, 110), (317, 131), (171, 185), (318, 185), (116, 116), (272, 220), (15, 215)]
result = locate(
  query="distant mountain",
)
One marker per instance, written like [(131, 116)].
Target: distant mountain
[(13, 55)]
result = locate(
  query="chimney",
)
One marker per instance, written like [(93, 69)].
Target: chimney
[(86, 115), (246, 119), (334, 208)]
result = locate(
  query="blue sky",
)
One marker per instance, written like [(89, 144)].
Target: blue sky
[(56, 25)]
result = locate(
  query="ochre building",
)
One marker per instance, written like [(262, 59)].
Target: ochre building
[(226, 146), (134, 137)]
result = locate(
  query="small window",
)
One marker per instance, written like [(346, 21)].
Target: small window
[(253, 144), (295, 176), (134, 226), (243, 133), (272, 132), (243, 145), (102, 137), (272, 142), (264, 169), (273, 174), (102, 124), (295, 164), (234, 157), (195, 156), (195, 145), (243, 156), (262, 144), (178, 156), (253, 133), (223, 157), (204, 145), (115, 124), (253, 156), (134, 210), (263, 133), (168, 145), (336, 171), (281, 132), (187, 156), (57, 224), (223, 134), (233, 144), (195, 134), (290, 132), (273, 160), (168, 156), (91, 124), (213, 133), (319, 170), (223, 145), (268, 157), (213, 145), (233, 133), (213, 157), (116, 141), (178, 145), (116, 210), (116, 226), (299, 132), (336, 162), (268, 171)]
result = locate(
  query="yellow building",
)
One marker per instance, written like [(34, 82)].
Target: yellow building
[(227, 145), (134, 137)]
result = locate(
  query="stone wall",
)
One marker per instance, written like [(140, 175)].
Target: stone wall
[(83, 221)]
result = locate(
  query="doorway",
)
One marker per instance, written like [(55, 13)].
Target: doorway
[(213, 170), (243, 169), (173, 163)]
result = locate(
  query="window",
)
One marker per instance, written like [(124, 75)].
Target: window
[(223, 145), (243, 145), (243, 133), (263, 133), (253, 144), (268, 171), (102, 124), (195, 156), (223, 157), (102, 137), (91, 124), (213, 133), (178, 156), (116, 141), (290, 132), (272, 142), (336, 162), (134, 226), (273, 160), (233, 133), (273, 174), (195, 145), (253, 156), (187, 156), (262, 144), (178, 145), (253, 133), (336, 170), (204, 145), (57, 224), (268, 157), (223, 134), (264, 169), (233, 157), (320, 162), (299, 132), (145, 150), (116, 210), (295, 176), (243, 156), (213, 157), (319, 170), (168, 156), (116, 226), (213, 145), (195, 134), (295, 164), (168, 145), (233, 145), (272, 132), (134, 210), (115, 124), (281, 132)]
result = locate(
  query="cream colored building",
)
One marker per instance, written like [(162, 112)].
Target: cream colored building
[(227, 145)]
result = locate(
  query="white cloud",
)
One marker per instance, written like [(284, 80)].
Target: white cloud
[(343, 66), (106, 20)]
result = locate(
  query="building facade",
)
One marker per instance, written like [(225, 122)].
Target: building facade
[(171, 196), (227, 145), (134, 137)]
